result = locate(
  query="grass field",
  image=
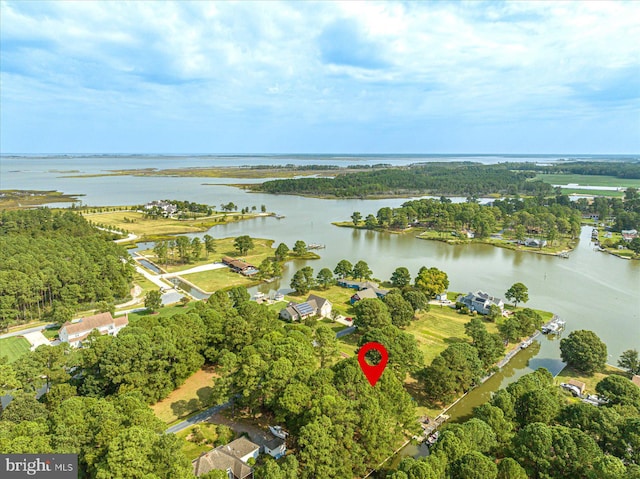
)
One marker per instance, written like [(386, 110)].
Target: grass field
[(139, 224), (570, 373), (164, 311), (14, 347), (192, 396), (439, 328), (589, 180), (15, 199), (576, 191)]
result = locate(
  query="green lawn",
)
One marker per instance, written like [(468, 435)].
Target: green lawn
[(588, 180), (338, 296), (214, 280), (14, 347), (212, 435), (577, 191), (51, 333), (570, 373)]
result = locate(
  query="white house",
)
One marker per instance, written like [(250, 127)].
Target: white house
[(313, 306), (275, 447), (75, 332), (480, 302)]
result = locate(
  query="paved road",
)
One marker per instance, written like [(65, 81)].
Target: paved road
[(154, 278), (200, 417), (25, 331)]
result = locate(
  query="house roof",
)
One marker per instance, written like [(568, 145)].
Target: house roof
[(368, 293), (579, 384), (274, 443), (94, 322), (240, 447), (236, 263), (482, 297), (219, 459), (319, 300)]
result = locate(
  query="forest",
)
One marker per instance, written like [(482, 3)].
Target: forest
[(532, 429), (619, 169), (461, 179), (54, 264)]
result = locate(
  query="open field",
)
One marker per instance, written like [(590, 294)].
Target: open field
[(570, 373), (14, 199), (192, 396), (438, 328), (576, 191), (588, 180), (139, 224), (14, 347)]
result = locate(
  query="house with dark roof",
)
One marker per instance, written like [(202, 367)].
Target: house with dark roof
[(314, 305), (480, 302), (275, 447), (371, 292), (240, 266), (77, 331), (231, 458)]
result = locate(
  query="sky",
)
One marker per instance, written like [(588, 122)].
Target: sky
[(327, 77)]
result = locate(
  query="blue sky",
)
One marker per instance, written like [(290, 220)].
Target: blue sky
[(351, 77)]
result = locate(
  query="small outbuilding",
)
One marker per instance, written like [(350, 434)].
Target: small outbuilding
[(578, 384)]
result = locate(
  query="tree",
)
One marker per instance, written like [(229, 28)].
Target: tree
[(326, 344), (417, 299), (619, 390), (370, 222), (281, 252), (629, 361), (584, 351), (634, 245), (474, 465), (343, 269), (300, 248), (325, 278), (510, 469), (401, 277), (196, 248), (209, 244), (243, 244), (302, 280), (520, 232), (518, 293), (183, 245), (356, 217), (361, 270), (153, 301), (400, 309), (161, 251), (371, 313), (431, 281)]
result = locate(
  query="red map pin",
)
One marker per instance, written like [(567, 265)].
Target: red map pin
[(373, 373)]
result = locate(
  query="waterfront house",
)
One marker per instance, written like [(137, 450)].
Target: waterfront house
[(74, 332), (240, 266), (577, 384), (167, 209), (231, 458), (535, 243), (628, 235), (480, 302), (313, 306)]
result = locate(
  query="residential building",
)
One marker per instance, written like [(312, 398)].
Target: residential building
[(577, 384), (231, 458), (167, 208), (77, 331), (313, 306), (240, 266), (480, 302), (535, 243), (628, 235), (275, 447)]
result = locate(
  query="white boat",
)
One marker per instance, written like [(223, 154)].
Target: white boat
[(278, 432)]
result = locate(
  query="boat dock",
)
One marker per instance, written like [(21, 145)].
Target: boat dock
[(315, 246), (555, 326)]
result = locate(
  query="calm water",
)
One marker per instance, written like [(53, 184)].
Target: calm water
[(589, 290)]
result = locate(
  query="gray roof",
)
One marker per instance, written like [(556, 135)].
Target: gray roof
[(221, 460), (274, 443), (368, 293), (240, 447), (319, 300)]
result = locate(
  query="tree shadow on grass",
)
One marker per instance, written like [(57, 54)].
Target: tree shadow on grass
[(204, 395), (183, 407)]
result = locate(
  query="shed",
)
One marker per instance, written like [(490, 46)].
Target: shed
[(579, 384)]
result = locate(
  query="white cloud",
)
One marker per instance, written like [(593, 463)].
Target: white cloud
[(325, 62)]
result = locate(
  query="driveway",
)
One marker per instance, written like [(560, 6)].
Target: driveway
[(36, 339), (196, 269), (200, 417)]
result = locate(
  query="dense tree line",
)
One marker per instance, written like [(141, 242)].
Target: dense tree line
[(56, 263), (463, 178), (530, 430), (619, 169), (625, 212)]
